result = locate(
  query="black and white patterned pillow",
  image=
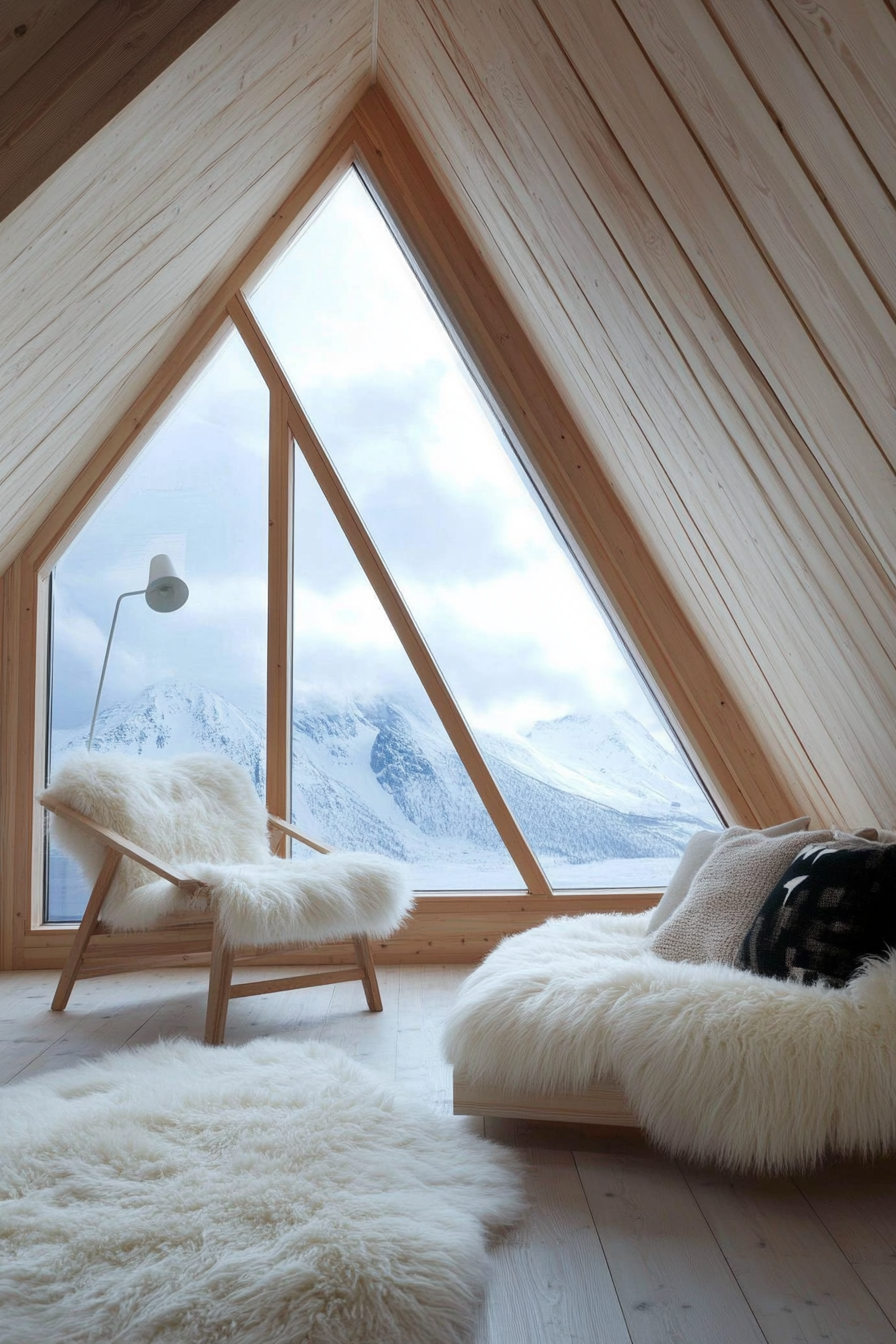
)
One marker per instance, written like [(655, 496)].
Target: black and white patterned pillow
[(833, 907)]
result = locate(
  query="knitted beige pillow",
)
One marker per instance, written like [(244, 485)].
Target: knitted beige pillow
[(696, 852), (728, 893)]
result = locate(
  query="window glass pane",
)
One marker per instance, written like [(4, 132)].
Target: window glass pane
[(600, 789), (373, 768), (187, 680)]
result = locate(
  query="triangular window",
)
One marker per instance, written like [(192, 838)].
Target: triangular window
[(598, 793)]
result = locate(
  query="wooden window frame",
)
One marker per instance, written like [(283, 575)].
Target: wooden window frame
[(687, 685)]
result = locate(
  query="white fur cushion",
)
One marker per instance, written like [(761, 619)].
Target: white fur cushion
[(201, 813), (717, 1064), (727, 895)]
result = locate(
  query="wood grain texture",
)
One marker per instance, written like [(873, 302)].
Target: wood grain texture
[(852, 48), (793, 1274), (671, 1276), (804, 248), (806, 117), (29, 28), (103, 59), (550, 1279), (603, 1103), (552, 136), (278, 733), (857, 1204), (109, 262)]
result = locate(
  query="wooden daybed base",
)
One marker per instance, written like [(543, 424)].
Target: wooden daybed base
[(602, 1104)]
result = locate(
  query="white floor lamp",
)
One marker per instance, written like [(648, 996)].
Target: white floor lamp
[(165, 591)]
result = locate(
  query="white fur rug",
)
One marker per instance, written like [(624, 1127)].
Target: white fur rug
[(716, 1063), (270, 1194), (193, 809)]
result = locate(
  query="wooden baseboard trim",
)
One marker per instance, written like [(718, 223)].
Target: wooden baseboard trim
[(601, 1104), (441, 930)]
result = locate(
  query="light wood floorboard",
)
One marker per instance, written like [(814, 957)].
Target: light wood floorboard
[(671, 1276), (858, 1207), (797, 1280), (550, 1279), (621, 1245)]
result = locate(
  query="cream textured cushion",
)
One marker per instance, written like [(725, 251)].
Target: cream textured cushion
[(728, 893), (697, 851)]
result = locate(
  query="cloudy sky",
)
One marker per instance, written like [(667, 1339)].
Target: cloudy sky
[(503, 609)]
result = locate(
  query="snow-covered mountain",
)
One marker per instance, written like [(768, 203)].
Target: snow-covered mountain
[(376, 774), (172, 718)]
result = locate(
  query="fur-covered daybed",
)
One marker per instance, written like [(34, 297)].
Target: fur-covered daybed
[(713, 1062)]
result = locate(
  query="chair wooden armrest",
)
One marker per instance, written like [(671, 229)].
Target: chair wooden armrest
[(291, 831), (112, 840)]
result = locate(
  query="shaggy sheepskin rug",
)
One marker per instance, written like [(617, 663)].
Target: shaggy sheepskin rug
[(717, 1064), (271, 1194), (194, 808)]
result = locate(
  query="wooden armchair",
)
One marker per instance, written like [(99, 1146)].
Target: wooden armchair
[(100, 948)]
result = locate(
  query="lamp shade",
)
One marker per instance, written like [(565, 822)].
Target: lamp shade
[(166, 591)]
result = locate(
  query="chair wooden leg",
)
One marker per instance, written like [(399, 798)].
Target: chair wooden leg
[(85, 930), (365, 961), (219, 978)]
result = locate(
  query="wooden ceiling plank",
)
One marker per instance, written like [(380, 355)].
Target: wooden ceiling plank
[(790, 225), (742, 401), (89, 59), (852, 49), (671, 286), (694, 204), (804, 114), (492, 173), (31, 27), (544, 169), (108, 263), (80, 84)]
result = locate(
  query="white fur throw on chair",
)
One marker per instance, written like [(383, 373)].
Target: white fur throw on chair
[(201, 813), (717, 1064)]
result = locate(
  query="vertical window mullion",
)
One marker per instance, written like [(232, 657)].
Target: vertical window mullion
[(280, 580)]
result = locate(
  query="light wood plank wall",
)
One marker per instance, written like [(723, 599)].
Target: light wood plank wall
[(108, 263), (689, 206)]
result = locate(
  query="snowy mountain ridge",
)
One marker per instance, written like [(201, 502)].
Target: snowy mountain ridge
[(377, 774)]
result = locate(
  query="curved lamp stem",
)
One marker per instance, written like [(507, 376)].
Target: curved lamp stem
[(166, 591), (136, 592)]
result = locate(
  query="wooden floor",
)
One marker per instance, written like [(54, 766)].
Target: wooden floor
[(620, 1244)]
